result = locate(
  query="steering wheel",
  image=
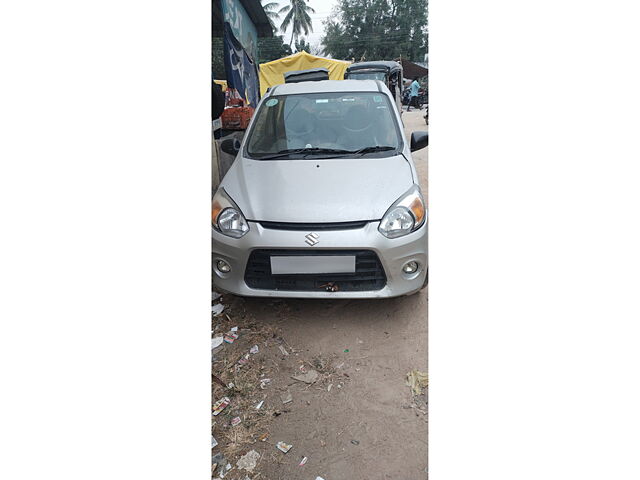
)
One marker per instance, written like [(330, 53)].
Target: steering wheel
[(357, 119)]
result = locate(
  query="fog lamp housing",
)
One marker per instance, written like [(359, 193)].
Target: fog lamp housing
[(410, 267), (223, 267)]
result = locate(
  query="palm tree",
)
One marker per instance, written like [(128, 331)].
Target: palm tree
[(297, 15), (270, 9)]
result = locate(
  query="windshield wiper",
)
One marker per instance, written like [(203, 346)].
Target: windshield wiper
[(377, 148), (314, 150), (293, 151)]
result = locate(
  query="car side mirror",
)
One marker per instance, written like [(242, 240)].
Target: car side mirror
[(230, 146), (419, 140)]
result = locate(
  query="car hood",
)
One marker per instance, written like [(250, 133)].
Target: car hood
[(317, 191)]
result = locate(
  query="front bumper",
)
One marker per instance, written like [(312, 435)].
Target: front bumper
[(392, 253)]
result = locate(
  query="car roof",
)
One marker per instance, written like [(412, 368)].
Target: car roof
[(326, 86), (384, 64)]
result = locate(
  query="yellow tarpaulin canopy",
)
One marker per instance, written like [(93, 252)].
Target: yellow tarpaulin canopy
[(272, 73)]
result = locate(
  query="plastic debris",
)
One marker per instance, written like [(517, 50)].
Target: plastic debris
[(283, 350), (216, 341), (235, 421), (215, 296), (283, 447), (259, 405), (218, 460), (230, 337), (248, 461), (220, 405), (214, 442), (286, 397), (234, 329), (355, 442), (417, 381), (303, 461), (244, 359), (329, 387), (228, 467), (302, 369), (346, 350), (254, 350), (264, 382), (310, 377), (231, 385), (319, 478), (217, 309), (263, 437)]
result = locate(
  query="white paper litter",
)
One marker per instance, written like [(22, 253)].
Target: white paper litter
[(234, 329), (215, 296), (248, 461), (255, 349), (217, 341), (217, 309), (214, 442), (259, 406)]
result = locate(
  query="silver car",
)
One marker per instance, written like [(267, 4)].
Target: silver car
[(323, 199)]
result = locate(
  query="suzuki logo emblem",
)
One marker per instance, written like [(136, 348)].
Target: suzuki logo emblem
[(312, 239)]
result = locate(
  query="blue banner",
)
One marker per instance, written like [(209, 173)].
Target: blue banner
[(242, 72), (243, 28)]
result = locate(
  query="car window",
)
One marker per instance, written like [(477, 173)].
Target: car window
[(338, 121), (367, 76)]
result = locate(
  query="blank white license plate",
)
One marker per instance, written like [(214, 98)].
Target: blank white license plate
[(315, 264)]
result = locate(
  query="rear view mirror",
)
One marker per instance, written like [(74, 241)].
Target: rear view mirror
[(419, 140), (231, 146)]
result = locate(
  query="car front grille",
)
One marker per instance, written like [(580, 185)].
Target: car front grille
[(314, 226), (369, 274)]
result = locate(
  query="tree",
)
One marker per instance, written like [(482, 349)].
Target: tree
[(272, 48), (271, 9), (316, 49), (302, 44), (377, 30), (298, 16)]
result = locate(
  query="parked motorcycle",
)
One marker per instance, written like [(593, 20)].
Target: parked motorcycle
[(423, 97)]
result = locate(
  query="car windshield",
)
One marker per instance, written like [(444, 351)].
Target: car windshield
[(367, 75), (324, 124)]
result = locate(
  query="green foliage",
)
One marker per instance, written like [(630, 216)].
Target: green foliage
[(377, 30), (268, 49), (272, 49), (217, 59), (302, 44), (271, 9), (297, 15)]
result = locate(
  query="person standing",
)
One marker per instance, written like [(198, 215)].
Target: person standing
[(413, 95)]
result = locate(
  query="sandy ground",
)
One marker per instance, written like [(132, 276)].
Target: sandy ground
[(367, 425)]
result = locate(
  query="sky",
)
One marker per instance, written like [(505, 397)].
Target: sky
[(323, 9)]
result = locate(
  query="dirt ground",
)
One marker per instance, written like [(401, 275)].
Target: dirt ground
[(359, 420)]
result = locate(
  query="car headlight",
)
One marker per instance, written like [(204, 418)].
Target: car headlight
[(226, 217), (406, 215)]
